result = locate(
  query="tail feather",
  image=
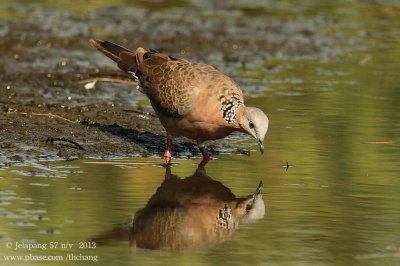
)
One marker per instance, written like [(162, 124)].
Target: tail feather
[(126, 59)]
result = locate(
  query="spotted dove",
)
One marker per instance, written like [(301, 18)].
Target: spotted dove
[(193, 100)]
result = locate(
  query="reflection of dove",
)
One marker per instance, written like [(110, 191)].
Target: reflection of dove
[(188, 213), (193, 212), (191, 100)]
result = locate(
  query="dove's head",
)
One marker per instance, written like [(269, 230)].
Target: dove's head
[(254, 122)]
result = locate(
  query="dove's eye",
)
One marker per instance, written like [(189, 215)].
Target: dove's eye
[(251, 124)]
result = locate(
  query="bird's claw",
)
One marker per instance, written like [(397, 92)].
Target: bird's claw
[(167, 156)]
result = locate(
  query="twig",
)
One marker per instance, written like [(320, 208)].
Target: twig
[(48, 114), (51, 140), (108, 80)]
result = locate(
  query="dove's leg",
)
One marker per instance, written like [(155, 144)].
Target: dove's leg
[(167, 153), (206, 157)]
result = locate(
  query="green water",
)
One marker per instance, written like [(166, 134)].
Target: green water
[(334, 120)]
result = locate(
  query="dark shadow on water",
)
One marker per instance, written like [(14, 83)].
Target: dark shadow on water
[(193, 212)]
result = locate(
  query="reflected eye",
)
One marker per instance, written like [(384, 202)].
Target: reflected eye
[(251, 124)]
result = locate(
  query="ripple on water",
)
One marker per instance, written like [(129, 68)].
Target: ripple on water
[(3, 203), (28, 240), (39, 218), (7, 214), (4, 238), (39, 184), (287, 80), (46, 167), (67, 166), (36, 215), (51, 170), (22, 224), (326, 72), (126, 166), (25, 199), (7, 197), (7, 192), (326, 89), (50, 231), (35, 173), (71, 171), (26, 211), (289, 93)]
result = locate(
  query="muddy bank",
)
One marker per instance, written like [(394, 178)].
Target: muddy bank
[(50, 132), (32, 131), (46, 61)]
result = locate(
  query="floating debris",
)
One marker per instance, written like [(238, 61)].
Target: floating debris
[(287, 166), (379, 142), (91, 85)]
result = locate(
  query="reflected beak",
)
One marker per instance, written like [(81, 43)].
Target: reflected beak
[(261, 146)]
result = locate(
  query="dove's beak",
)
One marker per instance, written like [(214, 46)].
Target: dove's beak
[(261, 146)]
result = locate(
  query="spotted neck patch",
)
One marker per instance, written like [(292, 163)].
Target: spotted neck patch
[(229, 107), (225, 218)]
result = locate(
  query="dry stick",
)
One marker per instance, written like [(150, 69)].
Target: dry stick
[(51, 140), (108, 80), (48, 114)]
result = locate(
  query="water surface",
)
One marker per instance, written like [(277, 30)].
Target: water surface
[(330, 171)]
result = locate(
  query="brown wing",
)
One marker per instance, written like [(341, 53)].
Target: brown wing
[(172, 84)]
